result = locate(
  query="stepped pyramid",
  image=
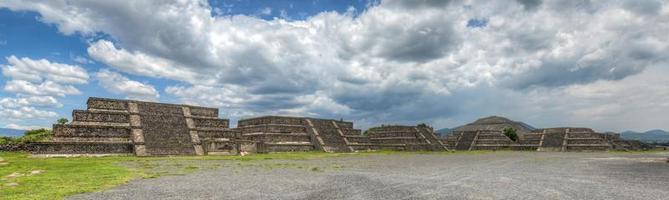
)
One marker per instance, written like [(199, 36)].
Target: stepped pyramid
[(113, 126), (407, 137), (487, 134), (283, 133)]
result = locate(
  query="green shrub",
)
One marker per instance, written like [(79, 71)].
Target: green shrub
[(7, 140), (62, 121), (36, 135), (511, 133)]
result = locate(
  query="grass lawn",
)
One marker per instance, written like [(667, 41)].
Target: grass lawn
[(22, 177)]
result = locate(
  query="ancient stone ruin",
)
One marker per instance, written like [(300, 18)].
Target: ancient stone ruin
[(113, 126), (487, 134), (406, 137)]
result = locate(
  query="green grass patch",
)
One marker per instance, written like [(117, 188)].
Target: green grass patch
[(58, 177)]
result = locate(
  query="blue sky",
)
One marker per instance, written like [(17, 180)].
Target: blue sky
[(374, 62)]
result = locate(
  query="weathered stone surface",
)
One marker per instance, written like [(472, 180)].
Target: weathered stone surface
[(68, 130), (106, 104), (89, 116), (147, 128), (165, 130), (413, 138), (204, 112), (80, 148), (219, 123)]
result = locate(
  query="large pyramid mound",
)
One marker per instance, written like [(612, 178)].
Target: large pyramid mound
[(495, 123)]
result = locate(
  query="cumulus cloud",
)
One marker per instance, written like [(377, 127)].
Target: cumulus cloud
[(39, 70), (47, 101), (22, 127), (42, 77), (36, 84), (46, 88), (395, 61), (26, 113), (119, 84)]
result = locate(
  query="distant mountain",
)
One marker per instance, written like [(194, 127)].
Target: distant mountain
[(443, 132), (648, 136), (11, 132), (495, 123)]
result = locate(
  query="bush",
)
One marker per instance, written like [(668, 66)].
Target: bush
[(7, 140), (62, 121), (511, 133), (36, 135)]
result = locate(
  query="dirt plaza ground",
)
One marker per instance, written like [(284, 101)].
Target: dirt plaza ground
[(476, 175)]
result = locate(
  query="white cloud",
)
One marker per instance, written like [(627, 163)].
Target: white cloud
[(266, 11), (38, 70), (46, 88), (82, 60), (23, 127), (42, 77), (26, 113), (396, 61), (36, 84), (30, 101), (119, 84)]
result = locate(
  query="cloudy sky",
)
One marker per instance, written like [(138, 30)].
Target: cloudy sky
[(599, 64)]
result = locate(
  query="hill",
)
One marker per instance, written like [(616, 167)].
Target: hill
[(648, 136), (11, 132), (443, 132), (496, 123)]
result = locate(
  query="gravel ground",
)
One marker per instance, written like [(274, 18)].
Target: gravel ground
[(499, 175)]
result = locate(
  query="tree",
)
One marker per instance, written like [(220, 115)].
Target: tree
[(511, 133), (62, 121)]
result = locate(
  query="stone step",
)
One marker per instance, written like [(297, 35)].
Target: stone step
[(492, 145), (391, 138), (106, 104), (274, 128), (273, 137), (74, 130), (100, 116), (287, 147), (586, 138), (92, 139), (98, 124), (271, 120), (218, 134), (588, 145), (210, 123), (81, 148), (213, 129)]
